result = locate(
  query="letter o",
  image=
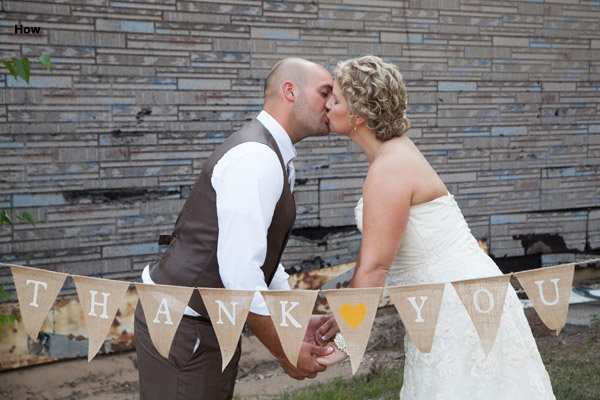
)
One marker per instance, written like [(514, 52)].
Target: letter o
[(476, 303)]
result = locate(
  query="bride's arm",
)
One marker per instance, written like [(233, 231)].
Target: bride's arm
[(386, 205)]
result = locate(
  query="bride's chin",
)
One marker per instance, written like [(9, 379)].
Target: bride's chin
[(332, 130)]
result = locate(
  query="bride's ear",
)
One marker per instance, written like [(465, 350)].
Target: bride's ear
[(359, 121)]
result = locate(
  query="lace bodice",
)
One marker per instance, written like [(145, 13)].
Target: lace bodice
[(435, 231)]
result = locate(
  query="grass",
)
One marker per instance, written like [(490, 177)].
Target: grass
[(385, 385), (574, 369), (575, 375)]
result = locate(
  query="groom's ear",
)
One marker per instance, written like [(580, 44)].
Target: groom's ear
[(289, 91)]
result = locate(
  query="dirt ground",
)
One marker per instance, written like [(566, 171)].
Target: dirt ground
[(260, 377)]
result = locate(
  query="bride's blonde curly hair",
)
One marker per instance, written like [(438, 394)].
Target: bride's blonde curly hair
[(374, 90)]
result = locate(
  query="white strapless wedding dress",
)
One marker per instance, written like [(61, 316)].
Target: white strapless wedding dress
[(438, 247)]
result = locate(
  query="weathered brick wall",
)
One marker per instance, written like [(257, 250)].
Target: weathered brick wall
[(504, 101)]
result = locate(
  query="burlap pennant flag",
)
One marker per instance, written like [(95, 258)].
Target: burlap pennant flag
[(36, 291), (227, 310), (99, 299), (549, 290), (354, 310), (290, 311), (163, 307), (419, 307), (484, 300)]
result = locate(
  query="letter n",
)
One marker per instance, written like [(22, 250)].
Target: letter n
[(229, 316)]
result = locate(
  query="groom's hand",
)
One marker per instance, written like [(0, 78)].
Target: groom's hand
[(307, 367), (307, 359)]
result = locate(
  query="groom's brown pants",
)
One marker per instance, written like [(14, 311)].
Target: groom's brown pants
[(186, 374)]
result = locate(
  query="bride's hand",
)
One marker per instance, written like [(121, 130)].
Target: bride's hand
[(334, 358), (315, 325), (327, 330)]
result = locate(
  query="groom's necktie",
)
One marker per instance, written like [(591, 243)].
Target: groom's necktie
[(291, 171)]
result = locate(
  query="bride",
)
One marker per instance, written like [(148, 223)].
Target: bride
[(414, 233)]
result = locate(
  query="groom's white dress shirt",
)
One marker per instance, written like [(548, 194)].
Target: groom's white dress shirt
[(248, 183)]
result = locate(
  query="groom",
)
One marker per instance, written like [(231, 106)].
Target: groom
[(231, 233)]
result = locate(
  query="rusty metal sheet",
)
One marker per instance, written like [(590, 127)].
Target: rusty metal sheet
[(63, 334), (337, 277)]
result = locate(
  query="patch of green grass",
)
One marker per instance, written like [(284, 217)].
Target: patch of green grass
[(575, 368), (385, 385), (574, 372)]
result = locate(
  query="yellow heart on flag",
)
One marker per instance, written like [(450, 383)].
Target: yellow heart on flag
[(353, 315)]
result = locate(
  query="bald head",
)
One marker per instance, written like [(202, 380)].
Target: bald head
[(296, 91), (292, 69)]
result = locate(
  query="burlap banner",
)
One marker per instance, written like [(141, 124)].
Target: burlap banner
[(100, 300), (36, 291), (227, 310), (484, 300), (354, 311), (549, 290), (163, 307), (290, 311), (419, 307)]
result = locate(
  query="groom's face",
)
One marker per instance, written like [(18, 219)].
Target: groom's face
[(309, 109)]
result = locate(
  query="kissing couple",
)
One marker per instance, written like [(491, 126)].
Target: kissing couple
[(236, 221)]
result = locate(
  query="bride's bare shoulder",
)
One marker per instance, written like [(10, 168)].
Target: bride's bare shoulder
[(391, 170), (398, 154)]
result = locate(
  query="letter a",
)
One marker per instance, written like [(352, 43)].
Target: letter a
[(539, 285), (163, 303)]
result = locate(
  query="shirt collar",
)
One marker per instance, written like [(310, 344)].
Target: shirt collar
[(287, 149)]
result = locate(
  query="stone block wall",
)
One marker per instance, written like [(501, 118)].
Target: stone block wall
[(504, 100)]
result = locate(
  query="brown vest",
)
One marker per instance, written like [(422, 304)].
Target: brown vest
[(191, 259)]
